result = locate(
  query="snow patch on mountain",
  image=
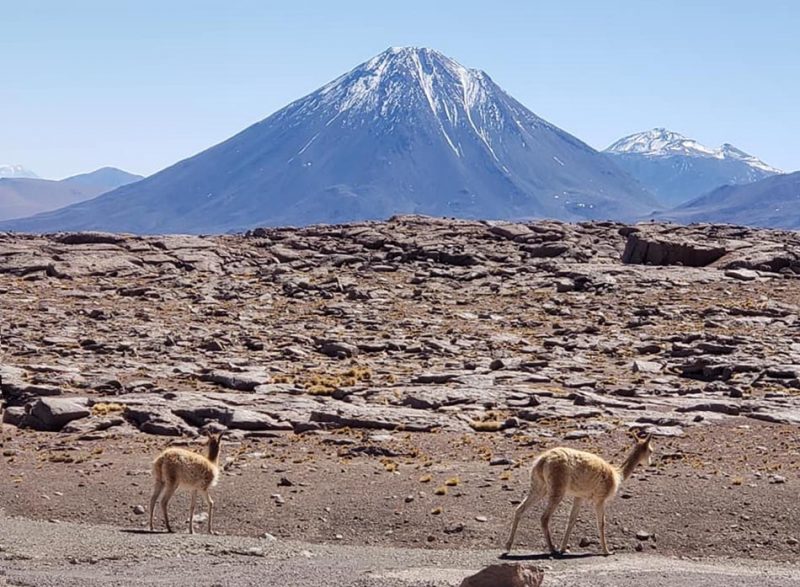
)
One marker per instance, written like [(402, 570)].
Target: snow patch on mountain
[(16, 171)]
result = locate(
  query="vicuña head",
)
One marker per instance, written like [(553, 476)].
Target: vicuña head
[(561, 472), (176, 467)]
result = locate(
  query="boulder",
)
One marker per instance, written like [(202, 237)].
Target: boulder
[(53, 413), (506, 575), (658, 249)]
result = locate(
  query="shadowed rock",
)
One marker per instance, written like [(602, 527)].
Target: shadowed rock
[(506, 575)]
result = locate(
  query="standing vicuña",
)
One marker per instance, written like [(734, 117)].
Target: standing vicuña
[(561, 472), (175, 467)]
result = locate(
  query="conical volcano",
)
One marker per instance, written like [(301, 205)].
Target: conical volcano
[(409, 131)]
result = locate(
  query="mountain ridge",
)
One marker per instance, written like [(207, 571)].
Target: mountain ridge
[(773, 202), (23, 196)]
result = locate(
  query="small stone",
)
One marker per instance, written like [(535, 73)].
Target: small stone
[(409, 498), (792, 541), (339, 537), (137, 509), (642, 535), (584, 542), (496, 364), (481, 519)]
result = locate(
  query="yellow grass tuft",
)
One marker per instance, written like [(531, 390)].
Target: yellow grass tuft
[(486, 425), (441, 490), (104, 409)]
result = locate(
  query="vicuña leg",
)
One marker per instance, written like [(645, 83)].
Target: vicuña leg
[(573, 517), (555, 497), (169, 490), (154, 498), (210, 503), (531, 497), (191, 512), (600, 510)]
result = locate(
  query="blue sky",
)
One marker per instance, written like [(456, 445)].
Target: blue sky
[(142, 84)]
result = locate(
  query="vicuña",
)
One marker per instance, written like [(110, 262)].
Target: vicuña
[(176, 467), (561, 472)]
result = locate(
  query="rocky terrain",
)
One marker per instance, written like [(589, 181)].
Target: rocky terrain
[(426, 360), (416, 324)]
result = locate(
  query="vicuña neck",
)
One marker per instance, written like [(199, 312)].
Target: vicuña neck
[(630, 463), (213, 452)]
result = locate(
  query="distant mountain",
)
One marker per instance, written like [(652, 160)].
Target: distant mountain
[(107, 178), (409, 131), (26, 196), (772, 203), (16, 171), (677, 169)]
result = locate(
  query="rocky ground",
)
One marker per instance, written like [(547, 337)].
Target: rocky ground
[(389, 383)]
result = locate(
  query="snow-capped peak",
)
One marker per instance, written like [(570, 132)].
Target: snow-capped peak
[(383, 91), (660, 142), (16, 171), (386, 82)]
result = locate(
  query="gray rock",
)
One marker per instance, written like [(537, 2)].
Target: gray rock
[(742, 274), (237, 381), (54, 413), (242, 419), (338, 349), (647, 367)]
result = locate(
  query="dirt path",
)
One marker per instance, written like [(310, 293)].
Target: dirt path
[(43, 554)]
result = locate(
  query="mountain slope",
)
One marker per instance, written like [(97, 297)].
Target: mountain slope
[(21, 197), (772, 203), (677, 169), (409, 131)]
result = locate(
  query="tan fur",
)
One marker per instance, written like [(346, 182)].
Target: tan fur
[(177, 467), (561, 472)]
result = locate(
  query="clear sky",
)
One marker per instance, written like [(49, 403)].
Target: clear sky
[(140, 84)]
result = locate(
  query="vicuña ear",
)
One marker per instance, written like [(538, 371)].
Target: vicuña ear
[(647, 439)]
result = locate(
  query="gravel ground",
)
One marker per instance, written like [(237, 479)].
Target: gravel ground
[(44, 554)]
